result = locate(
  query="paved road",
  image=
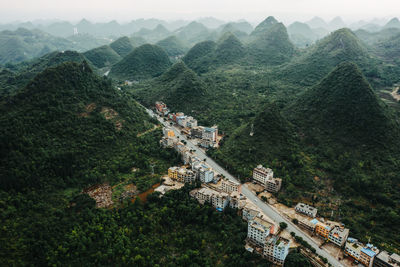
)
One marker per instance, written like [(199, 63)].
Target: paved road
[(267, 209)]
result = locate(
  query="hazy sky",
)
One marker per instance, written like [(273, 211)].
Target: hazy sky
[(253, 10)]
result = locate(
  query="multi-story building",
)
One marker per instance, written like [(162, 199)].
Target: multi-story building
[(168, 141), (210, 134), (322, 230), (168, 132), (276, 249), (306, 209), (368, 254), (353, 248), (191, 122), (181, 120), (229, 186), (384, 259), (161, 108), (338, 235), (308, 224), (206, 143), (173, 173), (249, 212), (186, 176), (258, 229), (196, 132), (217, 199), (203, 171), (265, 176), (262, 174)]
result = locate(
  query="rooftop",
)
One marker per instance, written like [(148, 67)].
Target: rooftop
[(340, 232), (395, 257), (262, 169), (276, 240), (262, 222), (368, 251)]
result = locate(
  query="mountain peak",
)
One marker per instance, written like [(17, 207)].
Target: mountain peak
[(265, 25)]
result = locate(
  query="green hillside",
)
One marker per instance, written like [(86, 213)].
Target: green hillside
[(122, 46), (179, 86), (341, 45), (144, 62), (270, 44), (22, 44), (103, 56), (173, 46), (199, 56), (301, 34), (229, 50)]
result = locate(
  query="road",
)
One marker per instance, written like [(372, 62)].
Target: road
[(267, 209)]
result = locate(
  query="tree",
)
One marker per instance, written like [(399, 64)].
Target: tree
[(282, 225)]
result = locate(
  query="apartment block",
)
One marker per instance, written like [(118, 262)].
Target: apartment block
[(364, 254), (308, 224), (265, 176), (217, 199), (258, 229), (306, 209), (229, 186), (182, 175), (384, 259), (322, 230), (338, 236), (249, 212), (276, 249), (210, 133), (368, 254), (203, 171)]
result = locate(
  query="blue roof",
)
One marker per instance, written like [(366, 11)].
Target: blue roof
[(209, 129), (314, 221), (368, 252)]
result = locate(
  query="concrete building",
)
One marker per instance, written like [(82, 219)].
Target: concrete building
[(191, 122), (217, 199), (384, 259), (182, 175), (204, 172), (173, 173), (368, 254), (168, 132), (338, 236), (262, 174), (258, 229), (210, 134), (161, 108), (237, 200), (229, 186), (308, 224), (322, 230), (276, 249), (353, 248), (196, 132), (206, 143), (306, 209), (168, 141), (249, 212), (273, 185)]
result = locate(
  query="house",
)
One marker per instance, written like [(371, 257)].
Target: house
[(306, 209), (322, 230), (182, 175), (276, 249), (203, 171), (338, 235), (353, 248), (206, 143), (273, 185), (196, 132), (161, 108), (384, 259), (257, 230), (229, 186)]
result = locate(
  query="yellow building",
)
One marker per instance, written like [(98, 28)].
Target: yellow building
[(173, 173), (170, 133), (322, 229)]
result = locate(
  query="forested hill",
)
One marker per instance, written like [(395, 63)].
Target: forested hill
[(64, 127)]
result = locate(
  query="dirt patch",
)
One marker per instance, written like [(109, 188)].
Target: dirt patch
[(88, 109), (108, 113), (102, 194), (255, 187), (395, 93)]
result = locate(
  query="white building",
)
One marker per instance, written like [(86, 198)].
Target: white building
[(217, 199), (306, 209), (229, 186), (338, 235), (258, 229), (210, 133), (204, 172), (262, 174), (276, 249)]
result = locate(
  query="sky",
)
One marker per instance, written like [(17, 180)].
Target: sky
[(251, 10)]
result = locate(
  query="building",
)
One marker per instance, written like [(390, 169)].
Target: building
[(338, 236), (182, 175), (353, 248), (361, 253), (384, 259), (191, 122), (217, 199), (308, 224), (368, 254), (181, 120), (276, 249), (249, 212), (203, 171), (196, 132), (161, 108), (229, 186), (168, 132), (206, 143), (322, 230), (306, 209), (258, 229), (168, 141), (265, 176), (210, 133), (273, 185), (262, 174)]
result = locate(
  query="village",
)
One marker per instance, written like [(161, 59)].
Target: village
[(265, 236)]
